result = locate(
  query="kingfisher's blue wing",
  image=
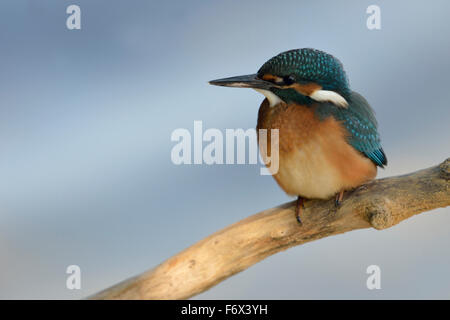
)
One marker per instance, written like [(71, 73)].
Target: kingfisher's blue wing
[(359, 120)]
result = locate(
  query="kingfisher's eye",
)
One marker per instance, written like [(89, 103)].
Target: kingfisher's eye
[(288, 80)]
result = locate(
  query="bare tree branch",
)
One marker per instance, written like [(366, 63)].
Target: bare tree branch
[(379, 204)]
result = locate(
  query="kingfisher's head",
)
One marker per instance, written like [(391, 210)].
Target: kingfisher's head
[(301, 75)]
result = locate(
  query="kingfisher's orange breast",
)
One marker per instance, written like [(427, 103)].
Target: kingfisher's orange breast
[(315, 159)]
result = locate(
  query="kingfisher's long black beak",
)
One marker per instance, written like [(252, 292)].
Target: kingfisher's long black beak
[(247, 81)]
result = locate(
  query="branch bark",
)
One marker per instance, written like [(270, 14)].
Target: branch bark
[(380, 204)]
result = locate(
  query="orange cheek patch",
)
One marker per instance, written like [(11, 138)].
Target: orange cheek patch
[(271, 77), (306, 89)]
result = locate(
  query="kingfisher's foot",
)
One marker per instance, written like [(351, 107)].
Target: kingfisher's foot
[(339, 198), (299, 208)]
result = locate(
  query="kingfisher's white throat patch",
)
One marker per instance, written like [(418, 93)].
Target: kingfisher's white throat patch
[(318, 95), (272, 97), (330, 96)]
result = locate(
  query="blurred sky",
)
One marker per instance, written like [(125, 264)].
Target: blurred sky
[(85, 123)]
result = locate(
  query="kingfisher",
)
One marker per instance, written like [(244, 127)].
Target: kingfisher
[(328, 137)]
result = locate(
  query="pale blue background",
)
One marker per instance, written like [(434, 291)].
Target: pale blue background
[(86, 118)]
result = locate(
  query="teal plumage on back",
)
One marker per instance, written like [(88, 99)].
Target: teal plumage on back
[(359, 120)]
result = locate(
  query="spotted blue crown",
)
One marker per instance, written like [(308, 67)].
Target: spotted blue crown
[(309, 65)]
